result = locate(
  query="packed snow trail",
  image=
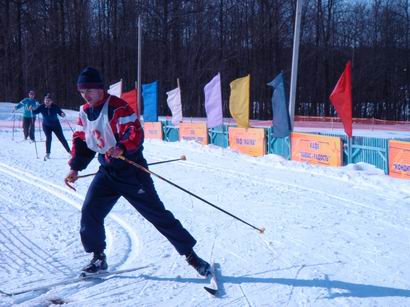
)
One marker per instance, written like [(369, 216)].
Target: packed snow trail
[(61, 193), (334, 236)]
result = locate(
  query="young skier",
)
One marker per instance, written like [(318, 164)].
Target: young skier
[(108, 126), (50, 110)]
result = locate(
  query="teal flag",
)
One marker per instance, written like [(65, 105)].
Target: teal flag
[(280, 112), (150, 98)]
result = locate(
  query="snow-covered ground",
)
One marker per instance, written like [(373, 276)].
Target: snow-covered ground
[(334, 236)]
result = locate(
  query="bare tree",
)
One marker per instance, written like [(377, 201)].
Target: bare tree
[(45, 43)]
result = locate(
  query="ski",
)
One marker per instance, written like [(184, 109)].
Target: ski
[(85, 276), (73, 280), (212, 288), (44, 287)]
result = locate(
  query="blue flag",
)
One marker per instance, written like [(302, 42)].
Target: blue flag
[(280, 112), (150, 96)]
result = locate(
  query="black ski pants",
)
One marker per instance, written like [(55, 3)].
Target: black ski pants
[(138, 189), (58, 131), (28, 127)]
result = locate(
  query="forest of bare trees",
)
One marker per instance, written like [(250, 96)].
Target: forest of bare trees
[(44, 44)]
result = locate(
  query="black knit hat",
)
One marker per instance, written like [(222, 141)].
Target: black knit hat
[(48, 95), (90, 78)]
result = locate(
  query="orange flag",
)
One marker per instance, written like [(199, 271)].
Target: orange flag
[(341, 98), (131, 98)]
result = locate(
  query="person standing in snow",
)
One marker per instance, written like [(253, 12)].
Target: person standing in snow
[(28, 103), (51, 124), (108, 125)]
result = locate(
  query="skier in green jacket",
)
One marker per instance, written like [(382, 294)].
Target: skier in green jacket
[(29, 118)]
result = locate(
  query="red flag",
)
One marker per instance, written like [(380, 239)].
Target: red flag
[(131, 98), (341, 98)]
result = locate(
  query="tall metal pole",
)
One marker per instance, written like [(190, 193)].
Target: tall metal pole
[(295, 60), (139, 68)]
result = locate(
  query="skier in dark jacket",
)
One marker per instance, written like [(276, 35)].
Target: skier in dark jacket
[(49, 110), (109, 126), (28, 103)]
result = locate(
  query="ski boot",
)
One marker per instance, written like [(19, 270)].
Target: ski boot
[(97, 265), (201, 266)]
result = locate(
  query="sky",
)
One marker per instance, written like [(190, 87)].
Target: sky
[(334, 236)]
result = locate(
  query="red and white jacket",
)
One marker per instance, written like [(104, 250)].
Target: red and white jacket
[(125, 125)]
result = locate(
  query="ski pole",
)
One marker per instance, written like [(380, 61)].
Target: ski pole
[(39, 127), (14, 119), (183, 158), (33, 126), (68, 124), (87, 175), (261, 230)]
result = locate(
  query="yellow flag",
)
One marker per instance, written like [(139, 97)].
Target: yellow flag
[(239, 101)]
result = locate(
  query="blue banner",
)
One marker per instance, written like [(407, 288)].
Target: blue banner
[(150, 98), (280, 121)]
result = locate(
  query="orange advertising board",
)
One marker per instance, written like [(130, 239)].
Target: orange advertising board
[(153, 130), (250, 141), (399, 159), (194, 131), (317, 149)]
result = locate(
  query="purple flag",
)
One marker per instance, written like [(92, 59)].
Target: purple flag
[(213, 102)]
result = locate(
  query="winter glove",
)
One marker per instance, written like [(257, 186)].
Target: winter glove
[(114, 152), (71, 177)]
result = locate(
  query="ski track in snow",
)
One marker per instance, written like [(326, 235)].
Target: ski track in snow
[(307, 256), (30, 253), (295, 188), (360, 205), (246, 175), (61, 193)]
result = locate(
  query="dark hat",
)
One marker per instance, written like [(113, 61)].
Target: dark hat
[(90, 78), (48, 95)]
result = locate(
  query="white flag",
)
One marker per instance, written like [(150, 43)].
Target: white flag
[(116, 89), (213, 102), (174, 103)]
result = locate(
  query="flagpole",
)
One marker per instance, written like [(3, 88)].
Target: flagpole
[(295, 60), (139, 69), (179, 88)]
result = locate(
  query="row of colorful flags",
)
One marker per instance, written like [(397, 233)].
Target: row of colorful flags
[(239, 102)]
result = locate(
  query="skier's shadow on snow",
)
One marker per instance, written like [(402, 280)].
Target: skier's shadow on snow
[(199, 280), (343, 289), (351, 289)]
